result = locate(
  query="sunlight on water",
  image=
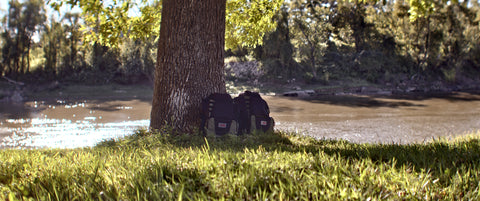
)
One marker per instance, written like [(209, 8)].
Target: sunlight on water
[(55, 133), (63, 124), (359, 119)]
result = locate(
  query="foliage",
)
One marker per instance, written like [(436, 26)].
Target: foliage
[(311, 31), (53, 44), (312, 41), (138, 62), (275, 166), (277, 50), (60, 56), (377, 42), (248, 21), (72, 59), (107, 24), (22, 21)]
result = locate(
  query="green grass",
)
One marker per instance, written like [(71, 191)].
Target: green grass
[(277, 166)]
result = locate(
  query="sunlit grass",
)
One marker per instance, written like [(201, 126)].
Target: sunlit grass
[(277, 166)]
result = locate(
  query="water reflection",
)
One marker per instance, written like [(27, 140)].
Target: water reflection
[(360, 119), (65, 124)]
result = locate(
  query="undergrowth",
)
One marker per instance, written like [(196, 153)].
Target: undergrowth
[(274, 166)]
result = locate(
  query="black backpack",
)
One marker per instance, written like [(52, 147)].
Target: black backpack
[(253, 113), (219, 115)]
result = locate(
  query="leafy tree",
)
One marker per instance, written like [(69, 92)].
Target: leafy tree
[(248, 21), (378, 40), (276, 52), (453, 41), (33, 18), (189, 63), (73, 34), (23, 21), (472, 35), (311, 32), (190, 48), (11, 52), (319, 33), (138, 61), (104, 62), (107, 23), (53, 39)]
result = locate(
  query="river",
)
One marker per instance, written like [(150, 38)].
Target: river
[(359, 119)]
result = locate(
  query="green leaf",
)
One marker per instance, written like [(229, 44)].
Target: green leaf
[(247, 21)]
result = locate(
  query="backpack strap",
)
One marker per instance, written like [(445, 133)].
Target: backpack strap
[(211, 103), (258, 113), (244, 111), (247, 103), (219, 114)]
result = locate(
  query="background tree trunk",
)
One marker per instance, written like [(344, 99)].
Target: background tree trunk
[(190, 62)]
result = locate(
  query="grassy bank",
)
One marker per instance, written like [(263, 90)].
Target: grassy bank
[(254, 167)]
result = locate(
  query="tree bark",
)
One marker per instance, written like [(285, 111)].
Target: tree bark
[(190, 62)]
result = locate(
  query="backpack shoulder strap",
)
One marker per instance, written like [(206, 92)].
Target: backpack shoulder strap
[(221, 105), (257, 106), (206, 112)]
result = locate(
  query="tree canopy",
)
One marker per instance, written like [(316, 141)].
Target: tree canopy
[(106, 22), (246, 21), (314, 41), (445, 35)]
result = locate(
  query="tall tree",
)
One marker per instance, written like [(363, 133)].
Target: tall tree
[(189, 61), (11, 52), (53, 39), (32, 19), (190, 49), (23, 21), (311, 32), (277, 50), (73, 36)]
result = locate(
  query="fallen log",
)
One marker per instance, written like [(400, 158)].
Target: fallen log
[(16, 83)]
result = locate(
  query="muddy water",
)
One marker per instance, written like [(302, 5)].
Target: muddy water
[(366, 119), (360, 119)]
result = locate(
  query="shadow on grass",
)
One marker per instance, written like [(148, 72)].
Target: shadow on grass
[(160, 182), (441, 159), (428, 156), (438, 156)]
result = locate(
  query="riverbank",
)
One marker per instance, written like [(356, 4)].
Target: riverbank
[(359, 87), (89, 113), (56, 90), (276, 166)]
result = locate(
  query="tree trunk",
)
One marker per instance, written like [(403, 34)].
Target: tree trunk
[(189, 61), (29, 45), (312, 61)]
